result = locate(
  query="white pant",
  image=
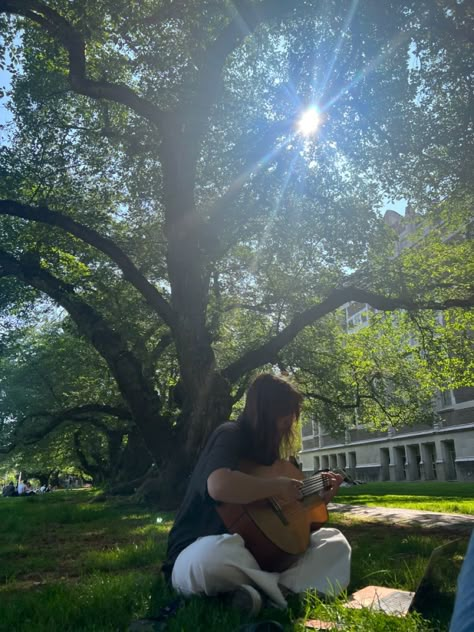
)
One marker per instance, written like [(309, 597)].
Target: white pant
[(220, 563)]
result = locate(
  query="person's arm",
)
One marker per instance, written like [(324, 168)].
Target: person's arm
[(232, 486)]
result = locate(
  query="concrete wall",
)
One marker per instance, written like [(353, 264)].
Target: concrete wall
[(437, 454)]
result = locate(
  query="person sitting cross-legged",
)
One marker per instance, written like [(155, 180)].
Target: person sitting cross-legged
[(203, 558)]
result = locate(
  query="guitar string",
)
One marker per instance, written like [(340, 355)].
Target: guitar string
[(290, 510), (310, 486), (314, 486), (312, 490), (314, 479), (318, 479)]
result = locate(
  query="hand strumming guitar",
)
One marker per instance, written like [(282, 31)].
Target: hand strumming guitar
[(288, 489)]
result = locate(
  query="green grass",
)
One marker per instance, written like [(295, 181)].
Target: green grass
[(70, 566), (440, 497)]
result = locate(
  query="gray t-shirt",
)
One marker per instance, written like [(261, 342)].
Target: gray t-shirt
[(197, 516)]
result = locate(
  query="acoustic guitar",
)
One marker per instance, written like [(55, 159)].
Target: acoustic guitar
[(276, 532)]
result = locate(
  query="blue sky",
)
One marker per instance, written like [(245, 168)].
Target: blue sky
[(4, 83), (397, 205)]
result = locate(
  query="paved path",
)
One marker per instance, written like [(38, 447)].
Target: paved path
[(460, 523)]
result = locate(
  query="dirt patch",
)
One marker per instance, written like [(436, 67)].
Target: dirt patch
[(360, 525)]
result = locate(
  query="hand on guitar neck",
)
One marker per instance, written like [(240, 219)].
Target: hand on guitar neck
[(334, 481)]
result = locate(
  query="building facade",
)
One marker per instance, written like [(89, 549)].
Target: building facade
[(443, 450)]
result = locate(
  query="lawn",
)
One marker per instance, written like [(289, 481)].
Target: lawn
[(68, 565), (443, 497)]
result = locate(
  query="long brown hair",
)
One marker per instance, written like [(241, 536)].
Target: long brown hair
[(269, 398)]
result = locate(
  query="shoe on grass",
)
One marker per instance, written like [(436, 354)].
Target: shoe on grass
[(247, 599)]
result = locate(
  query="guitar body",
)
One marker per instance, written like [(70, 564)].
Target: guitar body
[(275, 532)]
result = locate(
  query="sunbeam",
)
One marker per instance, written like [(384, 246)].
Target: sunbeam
[(238, 183), (275, 209), (394, 44), (345, 27)]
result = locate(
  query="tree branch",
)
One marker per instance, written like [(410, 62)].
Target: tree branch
[(160, 348), (136, 389), (268, 351), (57, 26), (53, 218), (249, 16), (56, 419), (332, 402)]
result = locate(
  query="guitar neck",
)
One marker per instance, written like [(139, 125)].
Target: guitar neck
[(315, 484)]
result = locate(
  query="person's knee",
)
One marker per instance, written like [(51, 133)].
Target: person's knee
[(228, 555), (344, 546), (332, 538), (210, 565), (343, 553)]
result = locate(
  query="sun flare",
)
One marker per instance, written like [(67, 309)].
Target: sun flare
[(309, 122)]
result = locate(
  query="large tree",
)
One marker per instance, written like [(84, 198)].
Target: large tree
[(60, 407), (155, 185)]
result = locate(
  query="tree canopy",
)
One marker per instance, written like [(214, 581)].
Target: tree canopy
[(156, 189)]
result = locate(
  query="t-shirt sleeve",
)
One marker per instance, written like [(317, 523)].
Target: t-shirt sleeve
[(223, 452)]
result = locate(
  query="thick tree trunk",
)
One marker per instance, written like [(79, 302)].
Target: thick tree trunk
[(135, 460), (205, 393), (167, 483)]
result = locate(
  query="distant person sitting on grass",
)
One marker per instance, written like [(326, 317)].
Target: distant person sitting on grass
[(9, 490), (29, 489), (203, 557), (21, 488)]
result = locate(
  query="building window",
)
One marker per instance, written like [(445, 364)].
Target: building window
[(400, 463), (463, 395), (352, 461), (446, 399), (449, 458), (385, 464), (341, 460), (307, 428)]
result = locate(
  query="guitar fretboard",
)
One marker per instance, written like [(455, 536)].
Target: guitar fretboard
[(315, 484)]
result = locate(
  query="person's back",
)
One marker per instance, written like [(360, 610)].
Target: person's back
[(21, 488), (9, 489), (197, 516)]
